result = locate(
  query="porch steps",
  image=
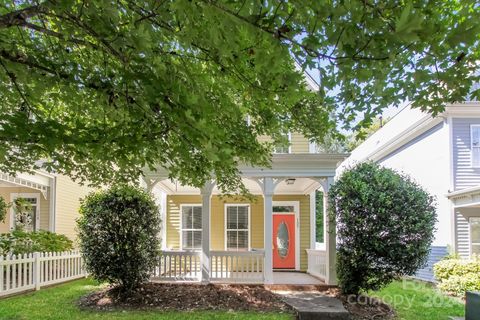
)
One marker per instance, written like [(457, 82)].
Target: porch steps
[(315, 305)]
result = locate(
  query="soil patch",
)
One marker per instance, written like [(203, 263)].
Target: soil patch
[(188, 297)]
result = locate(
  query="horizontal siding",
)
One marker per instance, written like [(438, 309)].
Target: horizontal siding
[(299, 144), (67, 202), (6, 192), (462, 235), (436, 254), (217, 224), (464, 175)]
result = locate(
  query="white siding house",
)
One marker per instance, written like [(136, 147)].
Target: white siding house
[(439, 154)]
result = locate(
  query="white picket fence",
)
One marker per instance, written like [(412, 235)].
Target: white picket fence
[(225, 266), (317, 263), (35, 270)]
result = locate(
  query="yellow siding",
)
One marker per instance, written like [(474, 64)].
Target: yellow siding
[(299, 144), (67, 202), (217, 224), (6, 192)]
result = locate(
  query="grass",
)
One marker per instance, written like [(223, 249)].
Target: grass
[(412, 300), (59, 302), (415, 300)]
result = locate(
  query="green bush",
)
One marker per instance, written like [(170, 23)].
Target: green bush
[(3, 209), (385, 226), (21, 242), (455, 276), (119, 236)]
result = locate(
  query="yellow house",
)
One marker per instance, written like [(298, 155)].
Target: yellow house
[(208, 237), (55, 201)]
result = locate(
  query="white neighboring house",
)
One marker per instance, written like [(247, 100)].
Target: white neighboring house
[(442, 154)]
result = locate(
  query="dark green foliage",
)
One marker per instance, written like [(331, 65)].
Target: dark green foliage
[(319, 216), (385, 225), (170, 83), (21, 242), (3, 209), (118, 232)]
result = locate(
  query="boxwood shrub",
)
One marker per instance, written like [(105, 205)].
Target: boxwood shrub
[(119, 236), (21, 242), (385, 226), (455, 276)]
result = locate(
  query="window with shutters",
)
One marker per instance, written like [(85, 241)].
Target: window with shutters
[(475, 147), (237, 220), (475, 235), (191, 227)]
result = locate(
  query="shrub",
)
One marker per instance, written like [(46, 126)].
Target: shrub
[(385, 225), (455, 276), (118, 232), (3, 209), (21, 242)]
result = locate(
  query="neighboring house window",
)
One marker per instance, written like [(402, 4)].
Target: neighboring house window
[(191, 227), (284, 146), (475, 235), (475, 136), (25, 211), (237, 222)]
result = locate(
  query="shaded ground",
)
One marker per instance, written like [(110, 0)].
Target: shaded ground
[(189, 297)]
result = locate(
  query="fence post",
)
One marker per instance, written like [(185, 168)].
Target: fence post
[(36, 269)]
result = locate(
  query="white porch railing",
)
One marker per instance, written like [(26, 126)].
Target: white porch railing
[(317, 263), (179, 266), (35, 270), (225, 266), (237, 266)]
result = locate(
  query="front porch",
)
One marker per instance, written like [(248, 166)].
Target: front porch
[(239, 240)]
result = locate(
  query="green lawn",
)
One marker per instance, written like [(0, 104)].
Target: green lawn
[(60, 303), (415, 300)]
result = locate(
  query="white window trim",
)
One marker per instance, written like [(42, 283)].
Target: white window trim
[(181, 224), (472, 126), (296, 208), (470, 240), (14, 196), (289, 135), (249, 224)]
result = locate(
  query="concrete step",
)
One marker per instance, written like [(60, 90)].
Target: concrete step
[(315, 305)]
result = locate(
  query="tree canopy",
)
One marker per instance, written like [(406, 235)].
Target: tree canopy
[(100, 89)]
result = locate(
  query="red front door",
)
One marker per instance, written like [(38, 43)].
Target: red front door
[(284, 241)]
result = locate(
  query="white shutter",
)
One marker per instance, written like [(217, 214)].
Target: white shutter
[(237, 227)]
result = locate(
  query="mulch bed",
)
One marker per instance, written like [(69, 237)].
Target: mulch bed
[(188, 297), (193, 297)]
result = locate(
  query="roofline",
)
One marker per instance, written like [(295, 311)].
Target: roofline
[(425, 123)]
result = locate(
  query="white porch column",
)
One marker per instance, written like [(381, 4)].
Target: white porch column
[(330, 237), (206, 193), (268, 188)]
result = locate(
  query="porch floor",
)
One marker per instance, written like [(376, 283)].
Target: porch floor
[(295, 278)]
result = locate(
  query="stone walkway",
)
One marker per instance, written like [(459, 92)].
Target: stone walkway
[(315, 305)]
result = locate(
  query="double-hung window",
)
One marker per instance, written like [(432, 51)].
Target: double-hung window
[(237, 222), (191, 227), (475, 144), (475, 235)]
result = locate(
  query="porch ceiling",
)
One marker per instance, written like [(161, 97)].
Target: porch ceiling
[(303, 171)]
